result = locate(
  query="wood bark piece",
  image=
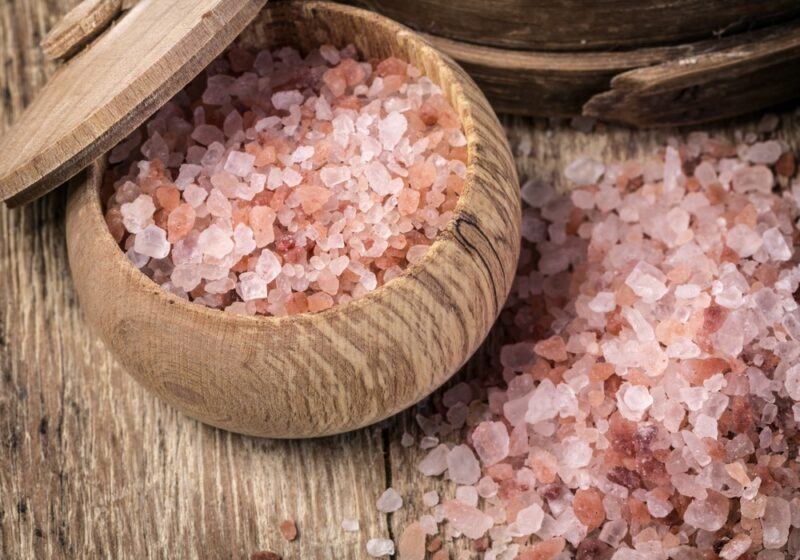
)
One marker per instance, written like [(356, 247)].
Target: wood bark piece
[(79, 26), (352, 365), (749, 75), (99, 97), (583, 25)]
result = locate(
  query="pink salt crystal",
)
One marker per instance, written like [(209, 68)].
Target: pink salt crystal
[(776, 245), (207, 134), (467, 520), (391, 130), (743, 240), (491, 442), (411, 545), (435, 462), (776, 522), (736, 547), (709, 514), (462, 466), (552, 348), (528, 521), (389, 501), (756, 178), (416, 253), (764, 152)]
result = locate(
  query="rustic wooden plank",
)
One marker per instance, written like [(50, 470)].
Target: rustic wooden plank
[(93, 466), (79, 26), (583, 25)]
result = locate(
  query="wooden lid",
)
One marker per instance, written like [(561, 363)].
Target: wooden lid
[(105, 92)]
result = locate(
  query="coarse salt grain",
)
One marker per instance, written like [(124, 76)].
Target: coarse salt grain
[(651, 390), (293, 197)]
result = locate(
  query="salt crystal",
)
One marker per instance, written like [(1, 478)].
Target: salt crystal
[(435, 462), (251, 286), (603, 302), (152, 242), (776, 245), (239, 163), (285, 100), (137, 215), (389, 501), (584, 171), (350, 525), (467, 520), (764, 152), (391, 129), (411, 545), (462, 466), (491, 442), (647, 282), (430, 499), (528, 521), (380, 547)]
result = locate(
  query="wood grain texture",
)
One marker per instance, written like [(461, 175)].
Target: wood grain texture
[(93, 466), (100, 96), (742, 77), (79, 26), (654, 86), (355, 364), (583, 25)]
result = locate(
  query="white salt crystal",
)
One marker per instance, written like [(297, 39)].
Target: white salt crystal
[(743, 240), (137, 215), (705, 426), (389, 501), (687, 291), (529, 521), (776, 522), (462, 466), (709, 514), (391, 130), (584, 171), (467, 495), (637, 397), (407, 440), (251, 286), (285, 100), (195, 195), (776, 245), (428, 524), (642, 328), (350, 525), (291, 177), (152, 242), (268, 266), (792, 381), (576, 453), (215, 242), (333, 175), (430, 499), (646, 281), (603, 302), (435, 462), (302, 153), (380, 547), (378, 177)]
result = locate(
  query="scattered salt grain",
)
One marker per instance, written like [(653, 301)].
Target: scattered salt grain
[(380, 547), (389, 501)]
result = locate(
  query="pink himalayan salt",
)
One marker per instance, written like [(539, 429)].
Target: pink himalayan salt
[(491, 442), (389, 501), (656, 432), (469, 521), (309, 187), (411, 545)]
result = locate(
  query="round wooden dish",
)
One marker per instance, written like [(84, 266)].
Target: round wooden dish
[(354, 364)]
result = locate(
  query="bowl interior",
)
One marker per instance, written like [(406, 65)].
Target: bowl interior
[(307, 25)]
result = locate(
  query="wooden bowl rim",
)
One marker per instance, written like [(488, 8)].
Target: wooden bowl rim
[(446, 235)]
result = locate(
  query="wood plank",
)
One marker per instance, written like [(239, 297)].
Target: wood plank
[(93, 466), (583, 25), (79, 26)]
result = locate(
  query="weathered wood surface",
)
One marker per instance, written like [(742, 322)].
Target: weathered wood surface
[(652, 86), (79, 26), (92, 466), (583, 25)]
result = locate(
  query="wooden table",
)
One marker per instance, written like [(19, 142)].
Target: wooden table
[(92, 466)]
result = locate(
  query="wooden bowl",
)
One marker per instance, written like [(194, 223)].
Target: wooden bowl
[(356, 363)]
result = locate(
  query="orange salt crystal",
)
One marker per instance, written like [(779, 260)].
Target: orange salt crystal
[(544, 550), (352, 71), (261, 220), (296, 303), (390, 66), (335, 80), (319, 301), (411, 545), (588, 506), (168, 198), (552, 348), (180, 222), (601, 371), (408, 202)]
